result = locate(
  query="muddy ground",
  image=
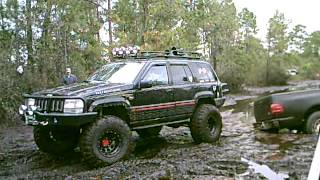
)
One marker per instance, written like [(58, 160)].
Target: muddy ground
[(172, 155)]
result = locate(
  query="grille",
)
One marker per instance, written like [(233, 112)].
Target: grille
[(42, 104), (50, 105)]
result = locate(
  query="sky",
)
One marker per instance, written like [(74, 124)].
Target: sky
[(305, 12)]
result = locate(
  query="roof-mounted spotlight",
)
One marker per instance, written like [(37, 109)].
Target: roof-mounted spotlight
[(129, 49), (115, 51), (125, 51), (174, 51), (122, 51)]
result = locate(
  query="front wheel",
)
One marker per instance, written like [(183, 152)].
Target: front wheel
[(106, 141), (206, 124), (313, 123), (55, 140)]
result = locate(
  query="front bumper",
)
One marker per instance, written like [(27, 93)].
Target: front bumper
[(59, 119), (219, 101)]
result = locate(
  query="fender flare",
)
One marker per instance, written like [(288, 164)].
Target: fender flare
[(109, 102), (204, 94)]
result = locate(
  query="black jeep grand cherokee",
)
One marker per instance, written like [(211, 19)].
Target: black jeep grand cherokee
[(141, 93)]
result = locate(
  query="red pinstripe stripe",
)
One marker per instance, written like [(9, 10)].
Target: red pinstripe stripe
[(153, 108), (191, 103), (163, 106)]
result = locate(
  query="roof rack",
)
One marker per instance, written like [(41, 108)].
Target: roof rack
[(121, 53), (170, 53)]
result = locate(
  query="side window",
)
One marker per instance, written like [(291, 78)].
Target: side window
[(157, 75), (188, 72), (181, 74), (210, 74), (203, 72)]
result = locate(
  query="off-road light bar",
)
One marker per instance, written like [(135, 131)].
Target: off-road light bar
[(125, 51)]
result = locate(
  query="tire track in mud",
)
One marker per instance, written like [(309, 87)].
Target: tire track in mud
[(172, 155)]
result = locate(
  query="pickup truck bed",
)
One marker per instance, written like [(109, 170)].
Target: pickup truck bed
[(290, 109)]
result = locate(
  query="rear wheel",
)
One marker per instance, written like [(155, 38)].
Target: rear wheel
[(55, 140), (206, 124), (106, 141), (149, 132), (313, 123)]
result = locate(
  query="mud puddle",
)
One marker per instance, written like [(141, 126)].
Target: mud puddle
[(172, 155)]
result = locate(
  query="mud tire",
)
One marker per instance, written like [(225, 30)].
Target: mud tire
[(90, 139), (206, 124), (55, 141), (313, 123), (149, 132)]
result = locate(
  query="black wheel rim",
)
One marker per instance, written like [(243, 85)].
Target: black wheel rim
[(109, 143), (212, 124)]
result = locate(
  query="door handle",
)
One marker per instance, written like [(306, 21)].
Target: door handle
[(169, 90)]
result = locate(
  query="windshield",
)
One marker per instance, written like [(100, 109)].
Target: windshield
[(124, 72)]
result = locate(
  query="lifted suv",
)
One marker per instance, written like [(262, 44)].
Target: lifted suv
[(141, 93)]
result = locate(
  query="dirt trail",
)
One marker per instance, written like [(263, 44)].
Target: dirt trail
[(172, 155)]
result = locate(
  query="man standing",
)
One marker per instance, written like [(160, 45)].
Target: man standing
[(69, 78)]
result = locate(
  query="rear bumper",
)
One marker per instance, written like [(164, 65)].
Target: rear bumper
[(59, 119), (276, 123)]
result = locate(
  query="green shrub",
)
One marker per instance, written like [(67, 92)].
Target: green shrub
[(257, 76), (234, 76), (277, 75)]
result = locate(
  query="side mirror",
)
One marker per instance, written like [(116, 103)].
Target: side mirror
[(145, 84), (225, 88), (187, 79)]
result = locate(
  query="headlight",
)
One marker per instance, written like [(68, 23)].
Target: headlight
[(30, 102), (22, 109), (73, 106)]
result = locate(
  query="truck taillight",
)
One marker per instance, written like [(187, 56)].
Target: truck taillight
[(276, 108)]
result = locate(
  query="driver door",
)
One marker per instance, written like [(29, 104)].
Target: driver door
[(155, 97)]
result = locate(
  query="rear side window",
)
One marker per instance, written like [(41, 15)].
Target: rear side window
[(181, 74), (202, 72)]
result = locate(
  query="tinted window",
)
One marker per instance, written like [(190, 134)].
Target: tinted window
[(181, 74), (188, 72), (202, 72), (157, 75)]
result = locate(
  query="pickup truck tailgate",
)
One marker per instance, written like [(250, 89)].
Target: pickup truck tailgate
[(262, 108)]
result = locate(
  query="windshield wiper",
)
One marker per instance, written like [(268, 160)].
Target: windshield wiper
[(93, 81)]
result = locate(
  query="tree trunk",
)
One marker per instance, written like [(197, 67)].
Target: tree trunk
[(16, 40), (2, 14), (66, 48), (29, 34), (109, 23), (46, 23), (42, 64), (145, 6), (268, 64), (213, 54), (98, 19)]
